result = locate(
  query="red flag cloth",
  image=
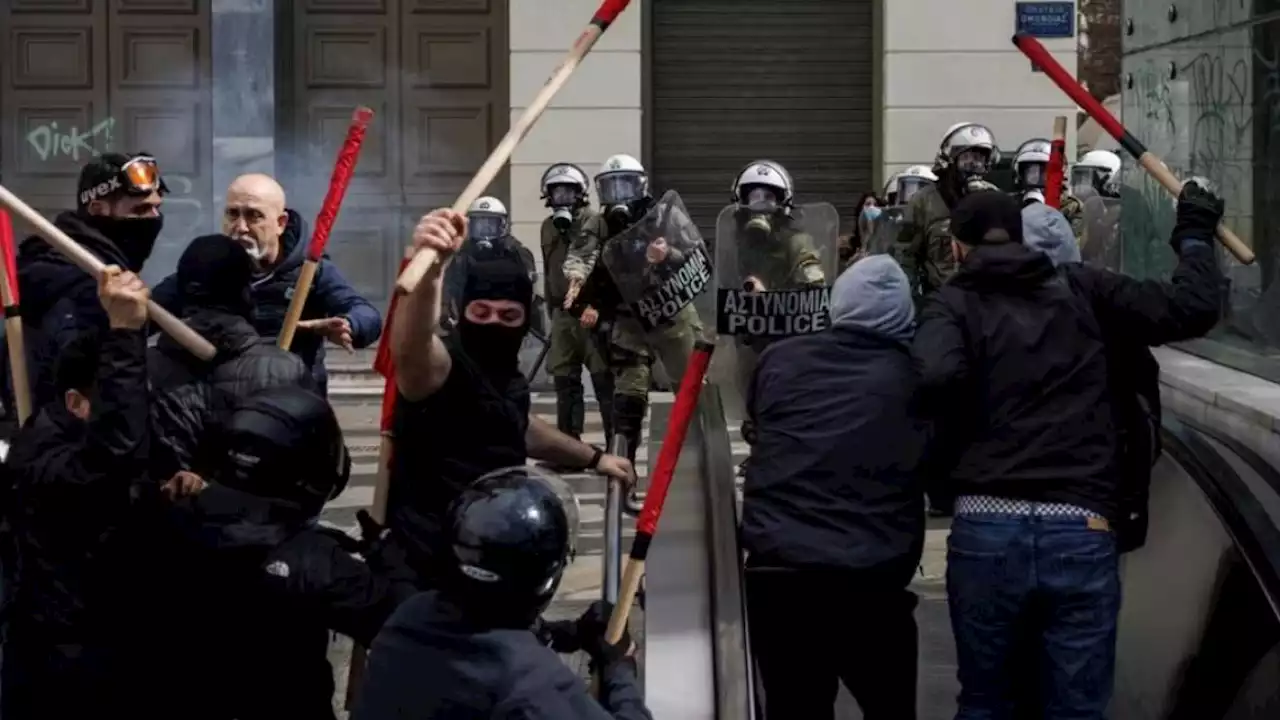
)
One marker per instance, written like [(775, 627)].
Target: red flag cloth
[(343, 170), (383, 364), (8, 247), (1057, 172)]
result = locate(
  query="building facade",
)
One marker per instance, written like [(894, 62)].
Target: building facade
[(843, 92)]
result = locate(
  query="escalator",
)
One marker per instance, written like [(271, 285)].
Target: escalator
[(1199, 631)]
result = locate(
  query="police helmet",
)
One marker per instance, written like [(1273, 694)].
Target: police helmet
[(487, 219), (622, 180), (968, 147), (565, 184), (763, 177), (512, 534), (1031, 164), (282, 443), (1097, 171), (890, 190), (911, 181)]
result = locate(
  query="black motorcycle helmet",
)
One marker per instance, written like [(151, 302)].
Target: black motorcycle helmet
[(282, 443), (512, 534)]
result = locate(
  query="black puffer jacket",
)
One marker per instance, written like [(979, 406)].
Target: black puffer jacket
[(188, 394)]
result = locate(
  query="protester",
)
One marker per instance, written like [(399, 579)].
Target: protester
[(266, 582), (117, 219), (1013, 356), (276, 238), (468, 649), (463, 407), (869, 207), (73, 469), (833, 506), (214, 299)]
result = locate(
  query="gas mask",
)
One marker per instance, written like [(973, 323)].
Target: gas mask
[(134, 236), (760, 207), (486, 227), (563, 198), (972, 163), (619, 192), (562, 218), (1033, 175)]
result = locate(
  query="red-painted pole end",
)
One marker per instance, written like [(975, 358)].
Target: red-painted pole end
[(609, 11)]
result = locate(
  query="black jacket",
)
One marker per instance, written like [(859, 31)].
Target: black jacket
[(69, 515), (58, 299), (256, 589), (331, 296), (1013, 358), (430, 662), (189, 393), (834, 480)]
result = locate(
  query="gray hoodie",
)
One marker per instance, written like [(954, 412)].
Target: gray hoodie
[(1047, 230), (874, 294)]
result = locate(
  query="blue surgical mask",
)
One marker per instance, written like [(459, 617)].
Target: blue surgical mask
[(871, 213)]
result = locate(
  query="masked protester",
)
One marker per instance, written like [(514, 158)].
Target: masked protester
[(266, 582), (622, 187), (510, 539), (73, 468), (276, 238), (1031, 174), (463, 407), (573, 339), (117, 219), (1015, 356), (214, 277), (922, 247)]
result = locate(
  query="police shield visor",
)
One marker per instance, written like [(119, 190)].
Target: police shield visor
[(481, 226), (1033, 174), (974, 161), (761, 199), (908, 187), (563, 195), (619, 188), (1084, 180)]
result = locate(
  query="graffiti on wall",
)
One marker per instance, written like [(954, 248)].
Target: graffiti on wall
[(52, 141)]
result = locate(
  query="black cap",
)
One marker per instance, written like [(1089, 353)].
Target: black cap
[(987, 217), (100, 178), (215, 272)]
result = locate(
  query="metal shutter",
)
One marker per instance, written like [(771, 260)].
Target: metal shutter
[(734, 81)]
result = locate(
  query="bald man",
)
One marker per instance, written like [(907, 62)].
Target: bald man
[(256, 216)]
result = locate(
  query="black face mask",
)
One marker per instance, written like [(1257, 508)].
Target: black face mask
[(134, 236), (495, 348)]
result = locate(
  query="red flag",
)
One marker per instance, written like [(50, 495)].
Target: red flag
[(384, 365)]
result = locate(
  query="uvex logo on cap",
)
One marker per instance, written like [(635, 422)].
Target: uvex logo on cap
[(100, 190)]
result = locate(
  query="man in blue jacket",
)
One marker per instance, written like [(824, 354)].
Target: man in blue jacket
[(276, 238)]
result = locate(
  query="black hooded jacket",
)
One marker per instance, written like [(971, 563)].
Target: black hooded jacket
[(59, 299), (267, 585), (331, 296), (188, 394)]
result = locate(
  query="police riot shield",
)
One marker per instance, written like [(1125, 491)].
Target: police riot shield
[(1100, 242), (884, 231), (660, 263), (765, 291)]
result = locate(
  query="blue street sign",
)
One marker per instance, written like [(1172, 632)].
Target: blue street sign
[(1047, 19)]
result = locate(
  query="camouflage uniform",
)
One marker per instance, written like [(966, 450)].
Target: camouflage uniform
[(1073, 210), (923, 243), (631, 350), (572, 345)]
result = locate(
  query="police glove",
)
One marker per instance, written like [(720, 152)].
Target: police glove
[(592, 628), (1199, 212)]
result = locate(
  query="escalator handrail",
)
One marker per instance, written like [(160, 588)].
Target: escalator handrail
[(1250, 527), (735, 691), (1268, 472)]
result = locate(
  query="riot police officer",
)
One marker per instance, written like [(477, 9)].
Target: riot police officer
[(627, 206), (511, 537), (489, 235), (890, 191), (565, 191), (911, 181), (922, 247), (1097, 172), (1031, 173)]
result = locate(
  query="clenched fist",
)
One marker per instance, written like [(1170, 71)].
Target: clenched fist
[(441, 231), (124, 297)]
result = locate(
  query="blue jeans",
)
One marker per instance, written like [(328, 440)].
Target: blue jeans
[(1033, 592)]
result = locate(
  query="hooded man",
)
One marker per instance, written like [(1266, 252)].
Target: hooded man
[(216, 300), (833, 506), (463, 407), (117, 219), (276, 239)]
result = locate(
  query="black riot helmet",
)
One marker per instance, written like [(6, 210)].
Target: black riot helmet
[(512, 534), (282, 443)]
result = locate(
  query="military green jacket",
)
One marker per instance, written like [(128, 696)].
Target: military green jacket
[(786, 259), (588, 234), (923, 243), (1073, 210), (556, 249)]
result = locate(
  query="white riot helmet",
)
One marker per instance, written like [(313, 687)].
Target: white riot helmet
[(1097, 172), (890, 191), (970, 148), (565, 185), (622, 181), (487, 220), (911, 181), (764, 186), (1031, 164)]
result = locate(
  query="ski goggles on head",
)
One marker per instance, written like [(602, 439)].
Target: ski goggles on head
[(141, 176)]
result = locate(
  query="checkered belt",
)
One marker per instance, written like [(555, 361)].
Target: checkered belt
[(987, 505)]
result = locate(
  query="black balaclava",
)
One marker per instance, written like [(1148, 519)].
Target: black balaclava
[(495, 348), (214, 273)]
